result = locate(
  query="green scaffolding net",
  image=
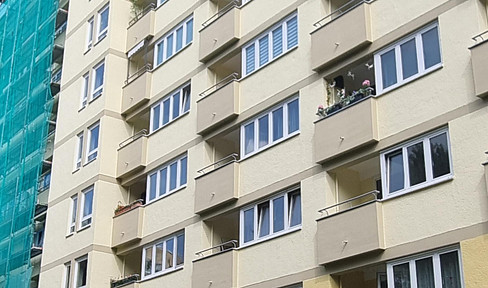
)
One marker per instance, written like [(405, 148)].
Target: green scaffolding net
[(26, 47)]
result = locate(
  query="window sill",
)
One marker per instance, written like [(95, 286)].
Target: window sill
[(83, 228), (100, 39), (271, 237), (88, 162), (81, 109), (69, 235), (147, 278), (419, 187), (290, 136), (76, 170)]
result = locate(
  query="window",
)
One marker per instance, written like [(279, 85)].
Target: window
[(102, 23), (67, 274), (436, 270), (97, 81), (271, 218), (416, 164), (167, 179), (87, 207), (161, 2), (89, 34), (163, 256), (270, 128), (85, 90), (93, 133), (81, 271), (408, 59), (79, 150), (74, 208), (272, 44), (174, 41), (170, 107)]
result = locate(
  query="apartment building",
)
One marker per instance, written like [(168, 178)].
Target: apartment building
[(190, 152)]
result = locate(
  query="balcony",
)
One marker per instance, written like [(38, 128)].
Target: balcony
[(218, 186), (479, 62), (218, 270), (219, 105), (341, 33), (127, 226), (132, 154), (220, 31), (137, 89), (361, 229), (333, 139), (141, 27)]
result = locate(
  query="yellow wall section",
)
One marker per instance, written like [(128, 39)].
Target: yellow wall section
[(475, 254), (326, 281)]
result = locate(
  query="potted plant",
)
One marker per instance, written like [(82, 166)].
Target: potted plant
[(121, 209)]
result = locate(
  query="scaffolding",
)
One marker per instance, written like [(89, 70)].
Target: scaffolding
[(26, 47)]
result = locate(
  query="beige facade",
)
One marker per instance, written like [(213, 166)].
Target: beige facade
[(206, 110)]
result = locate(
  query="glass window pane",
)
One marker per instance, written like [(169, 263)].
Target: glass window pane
[(155, 118), (180, 246), (395, 171), (94, 138), (163, 174), (250, 59), (248, 225), (388, 68), (440, 155), (431, 48), (293, 116), (189, 31), (425, 273), (292, 28), (173, 168), (277, 124), (169, 46), (409, 59), (166, 108), (104, 20), (416, 163), (159, 258), (263, 51), (295, 208), (279, 214), (183, 171), (179, 38), (169, 253), (148, 262), (176, 105), (277, 41), (99, 76), (186, 98), (82, 268), (249, 138), (74, 208), (450, 273), (263, 210), (152, 186), (401, 276), (88, 203), (159, 59), (263, 126)]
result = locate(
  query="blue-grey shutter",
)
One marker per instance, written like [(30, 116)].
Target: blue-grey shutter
[(263, 51), (292, 32), (277, 41), (250, 59)]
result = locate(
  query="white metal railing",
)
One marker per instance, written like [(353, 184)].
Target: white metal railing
[(227, 8), (222, 162), (144, 69), (340, 11), (142, 13), (375, 193), (232, 77), (481, 37), (223, 247), (133, 138)]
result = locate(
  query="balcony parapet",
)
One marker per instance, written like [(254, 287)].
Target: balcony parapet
[(141, 27), (137, 89), (218, 269), (127, 227), (479, 63), (132, 154)]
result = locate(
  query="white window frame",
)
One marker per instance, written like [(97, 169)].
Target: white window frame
[(85, 90), (89, 34), (79, 151), (77, 271), (398, 59), (82, 207), (67, 275), (427, 165), (435, 255), (269, 34), (163, 41), (160, 105), (95, 150), (287, 218), (102, 34), (153, 259), (97, 92), (158, 180), (271, 142), (73, 214)]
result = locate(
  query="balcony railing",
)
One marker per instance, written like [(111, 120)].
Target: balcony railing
[(133, 138), (222, 162), (141, 13), (60, 29), (220, 84), (56, 78), (138, 73), (480, 37), (352, 202), (479, 64), (232, 244), (340, 11), (228, 7)]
